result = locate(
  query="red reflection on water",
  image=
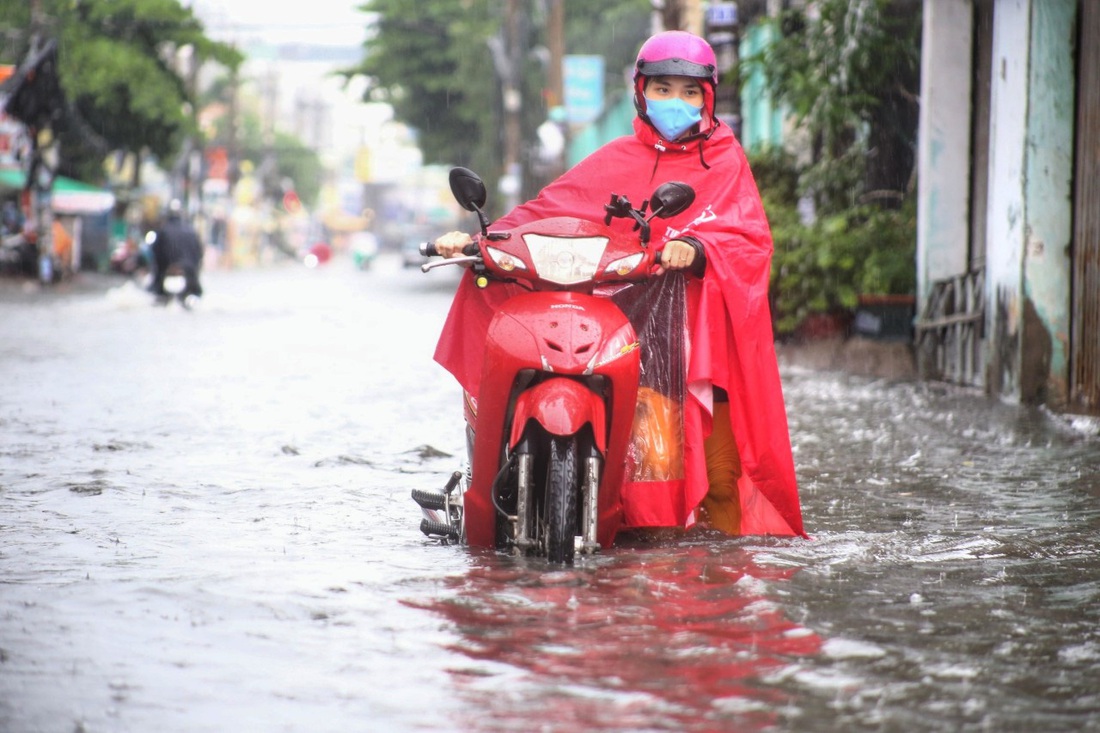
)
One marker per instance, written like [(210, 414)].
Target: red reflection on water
[(642, 640)]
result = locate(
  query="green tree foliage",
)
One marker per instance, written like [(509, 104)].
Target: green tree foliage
[(295, 165), (824, 266), (120, 69), (614, 29), (281, 156), (850, 75), (436, 68), (299, 164)]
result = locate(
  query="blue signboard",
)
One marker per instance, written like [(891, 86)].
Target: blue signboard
[(583, 81), (722, 14)]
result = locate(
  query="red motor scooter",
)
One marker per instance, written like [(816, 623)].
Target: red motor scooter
[(559, 381)]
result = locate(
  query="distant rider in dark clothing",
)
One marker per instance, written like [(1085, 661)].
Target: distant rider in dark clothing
[(176, 245)]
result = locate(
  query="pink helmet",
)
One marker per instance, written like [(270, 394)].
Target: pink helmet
[(677, 53)]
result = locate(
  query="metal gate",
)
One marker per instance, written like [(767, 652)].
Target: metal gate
[(949, 331), (1084, 392)]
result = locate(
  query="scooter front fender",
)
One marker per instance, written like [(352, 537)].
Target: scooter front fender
[(562, 402), (562, 407)]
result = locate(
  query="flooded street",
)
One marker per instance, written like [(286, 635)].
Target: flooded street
[(205, 525)]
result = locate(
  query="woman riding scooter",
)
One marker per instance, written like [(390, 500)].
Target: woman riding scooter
[(738, 470)]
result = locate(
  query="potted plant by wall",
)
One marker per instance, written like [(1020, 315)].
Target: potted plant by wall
[(810, 297), (852, 270), (847, 265), (886, 301), (814, 275)]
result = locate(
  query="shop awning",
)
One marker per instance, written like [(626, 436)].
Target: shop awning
[(69, 196)]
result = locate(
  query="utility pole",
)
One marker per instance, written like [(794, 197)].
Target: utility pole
[(45, 156), (556, 41), (555, 82), (677, 15), (233, 131), (512, 180), (269, 166), (195, 147)]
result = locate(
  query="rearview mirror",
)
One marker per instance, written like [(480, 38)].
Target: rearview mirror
[(671, 198), (468, 189)]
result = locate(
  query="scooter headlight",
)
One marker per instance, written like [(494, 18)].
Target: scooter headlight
[(625, 265), (565, 260)]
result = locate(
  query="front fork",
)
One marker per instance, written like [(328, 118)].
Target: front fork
[(590, 505), (524, 470)]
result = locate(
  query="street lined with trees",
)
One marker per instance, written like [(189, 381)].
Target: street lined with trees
[(127, 70)]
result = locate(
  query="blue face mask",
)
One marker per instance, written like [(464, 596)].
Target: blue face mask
[(672, 117)]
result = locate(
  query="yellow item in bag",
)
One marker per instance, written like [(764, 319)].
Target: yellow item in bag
[(656, 444)]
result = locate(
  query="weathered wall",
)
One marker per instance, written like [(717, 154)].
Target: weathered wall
[(943, 154), (1030, 203), (1006, 210), (1048, 189)]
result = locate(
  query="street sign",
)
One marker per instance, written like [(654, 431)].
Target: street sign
[(583, 82), (721, 14)]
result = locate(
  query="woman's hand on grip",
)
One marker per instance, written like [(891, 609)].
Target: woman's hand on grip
[(677, 255), (451, 244)]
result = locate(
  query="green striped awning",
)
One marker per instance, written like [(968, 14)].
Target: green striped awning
[(69, 195)]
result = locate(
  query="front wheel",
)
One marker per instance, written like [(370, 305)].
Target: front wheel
[(559, 506)]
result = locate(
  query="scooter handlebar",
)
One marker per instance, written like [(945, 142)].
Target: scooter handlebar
[(471, 255), (427, 249)]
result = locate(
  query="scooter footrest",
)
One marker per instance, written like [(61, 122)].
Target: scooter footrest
[(438, 529), (452, 482), (429, 499)]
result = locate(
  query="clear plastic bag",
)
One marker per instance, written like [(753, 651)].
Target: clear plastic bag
[(658, 310)]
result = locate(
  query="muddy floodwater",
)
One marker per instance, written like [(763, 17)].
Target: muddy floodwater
[(205, 526)]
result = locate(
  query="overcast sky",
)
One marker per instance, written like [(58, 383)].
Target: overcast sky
[(257, 25), (323, 22)]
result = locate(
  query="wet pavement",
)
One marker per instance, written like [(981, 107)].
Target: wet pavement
[(205, 525)]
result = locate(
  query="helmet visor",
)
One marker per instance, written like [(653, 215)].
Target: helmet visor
[(675, 67)]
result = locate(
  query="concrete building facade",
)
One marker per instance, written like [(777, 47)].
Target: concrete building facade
[(1009, 158)]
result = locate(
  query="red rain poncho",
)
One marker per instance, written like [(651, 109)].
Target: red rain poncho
[(729, 330)]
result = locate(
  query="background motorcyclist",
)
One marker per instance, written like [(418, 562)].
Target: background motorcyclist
[(175, 244), (742, 480)]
